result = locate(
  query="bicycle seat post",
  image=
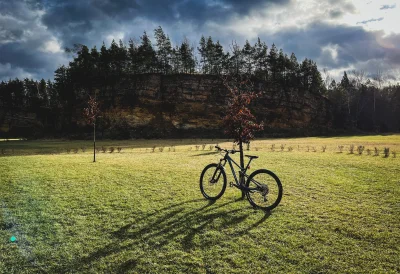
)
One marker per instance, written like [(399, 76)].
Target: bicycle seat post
[(248, 164)]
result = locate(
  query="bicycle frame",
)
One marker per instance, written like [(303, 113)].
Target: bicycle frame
[(242, 172)]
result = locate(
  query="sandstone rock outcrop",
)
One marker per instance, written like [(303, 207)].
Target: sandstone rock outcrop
[(178, 106), (194, 105)]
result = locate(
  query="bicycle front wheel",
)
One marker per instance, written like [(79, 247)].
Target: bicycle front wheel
[(213, 182), (265, 189)]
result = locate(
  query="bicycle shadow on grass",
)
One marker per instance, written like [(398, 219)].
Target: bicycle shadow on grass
[(181, 225)]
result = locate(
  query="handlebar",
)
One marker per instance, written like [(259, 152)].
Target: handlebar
[(226, 150)]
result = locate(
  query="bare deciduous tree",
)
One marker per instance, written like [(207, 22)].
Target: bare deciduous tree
[(91, 114)]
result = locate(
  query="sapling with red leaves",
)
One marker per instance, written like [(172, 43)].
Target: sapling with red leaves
[(239, 122)]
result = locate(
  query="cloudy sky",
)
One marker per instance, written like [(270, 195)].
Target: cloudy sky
[(338, 34)]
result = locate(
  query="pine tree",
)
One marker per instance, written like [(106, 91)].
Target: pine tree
[(113, 52), (14, 95), (62, 83), (281, 65), (122, 58), (176, 60), (31, 95), (104, 62), (272, 63), (147, 55), (346, 87), (17, 92), (164, 50), (260, 60), (186, 57), (219, 58), (226, 63), (5, 95), (133, 58), (203, 56), (95, 71), (81, 69), (305, 73), (43, 93), (236, 60), (53, 95), (210, 56), (118, 65), (317, 84), (293, 71), (248, 53), (118, 55)]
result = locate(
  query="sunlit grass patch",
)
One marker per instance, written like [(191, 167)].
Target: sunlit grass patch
[(142, 212)]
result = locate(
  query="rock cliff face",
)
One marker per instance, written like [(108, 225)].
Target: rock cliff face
[(168, 106), (194, 105)]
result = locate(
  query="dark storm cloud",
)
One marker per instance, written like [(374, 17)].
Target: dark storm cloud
[(243, 7), (23, 42), (10, 34), (18, 55), (352, 46), (85, 19), (13, 20), (14, 8), (29, 60), (29, 24)]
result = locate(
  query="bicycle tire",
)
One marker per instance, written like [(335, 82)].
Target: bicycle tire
[(210, 190), (274, 189)]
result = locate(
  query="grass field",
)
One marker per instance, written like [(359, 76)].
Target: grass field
[(140, 211)]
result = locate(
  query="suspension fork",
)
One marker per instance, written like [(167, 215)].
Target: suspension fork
[(220, 165)]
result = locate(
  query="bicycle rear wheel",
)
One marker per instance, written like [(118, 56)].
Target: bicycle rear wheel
[(265, 189), (213, 182)]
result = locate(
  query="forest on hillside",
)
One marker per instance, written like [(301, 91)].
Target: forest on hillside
[(359, 101)]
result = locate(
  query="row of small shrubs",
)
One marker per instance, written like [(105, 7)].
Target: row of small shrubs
[(273, 148), (98, 149), (360, 149), (109, 149), (161, 149), (282, 147), (202, 147), (212, 147), (352, 149)]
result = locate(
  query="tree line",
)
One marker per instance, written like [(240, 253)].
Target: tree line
[(358, 102), (365, 103)]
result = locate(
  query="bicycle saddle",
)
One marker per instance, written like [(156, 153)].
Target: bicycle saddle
[(251, 157)]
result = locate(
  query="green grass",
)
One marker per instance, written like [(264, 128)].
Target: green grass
[(142, 212)]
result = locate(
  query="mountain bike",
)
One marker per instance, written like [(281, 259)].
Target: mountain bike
[(262, 188)]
